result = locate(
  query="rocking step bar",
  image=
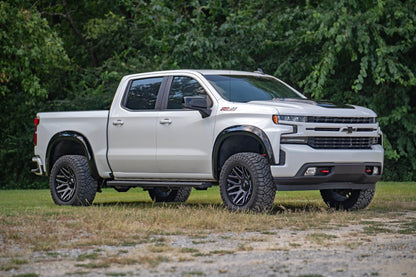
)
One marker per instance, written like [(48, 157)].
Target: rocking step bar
[(152, 184)]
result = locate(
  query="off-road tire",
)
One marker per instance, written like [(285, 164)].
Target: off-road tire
[(71, 183), (349, 200), (179, 195), (246, 183)]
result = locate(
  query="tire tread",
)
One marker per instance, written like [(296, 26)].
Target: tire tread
[(358, 200), (178, 195), (86, 185), (263, 183)]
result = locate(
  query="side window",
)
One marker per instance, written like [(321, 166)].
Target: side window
[(181, 87), (142, 94)]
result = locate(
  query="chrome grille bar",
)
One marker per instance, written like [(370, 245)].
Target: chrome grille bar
[(341, 142), (326, 119)]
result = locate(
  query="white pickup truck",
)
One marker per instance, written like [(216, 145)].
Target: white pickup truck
[(249, 133)]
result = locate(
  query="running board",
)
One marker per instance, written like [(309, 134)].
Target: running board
[(154, 184)]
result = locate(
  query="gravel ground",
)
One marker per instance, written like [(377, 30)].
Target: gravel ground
[(341, 251)]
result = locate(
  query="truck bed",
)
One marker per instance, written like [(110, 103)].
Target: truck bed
[(91, 124)]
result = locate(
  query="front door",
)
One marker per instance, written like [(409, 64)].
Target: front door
[(184, 138)]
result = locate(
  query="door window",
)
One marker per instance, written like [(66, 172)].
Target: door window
[(142, 94), (182, 87)]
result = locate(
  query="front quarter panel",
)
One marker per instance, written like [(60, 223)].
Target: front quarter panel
[(260, 117)]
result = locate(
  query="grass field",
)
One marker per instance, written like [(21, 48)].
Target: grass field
[(30, 221)]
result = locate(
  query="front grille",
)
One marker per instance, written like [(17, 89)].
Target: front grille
[(342, 142), (326, 119)]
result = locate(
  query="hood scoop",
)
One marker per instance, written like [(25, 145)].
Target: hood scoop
[(323, 103)]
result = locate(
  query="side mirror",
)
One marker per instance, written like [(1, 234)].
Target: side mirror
[(198, 103)]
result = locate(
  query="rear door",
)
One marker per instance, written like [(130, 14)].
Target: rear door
[(132, 130), (184, 138)]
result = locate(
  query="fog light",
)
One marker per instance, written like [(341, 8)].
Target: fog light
[(298, 140), (376, 170), (311, 171)]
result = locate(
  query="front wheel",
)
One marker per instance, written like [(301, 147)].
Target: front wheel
[(71, 182), (347, 199), (170, 195), (246, 183)]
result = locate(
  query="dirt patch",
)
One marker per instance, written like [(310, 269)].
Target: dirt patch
[(374, 247)]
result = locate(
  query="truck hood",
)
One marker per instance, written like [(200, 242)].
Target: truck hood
[(289, 106)]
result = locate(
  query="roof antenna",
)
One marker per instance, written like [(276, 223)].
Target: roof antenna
[(259, 70)]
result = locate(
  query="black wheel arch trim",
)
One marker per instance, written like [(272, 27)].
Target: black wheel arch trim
[(247, 130), (74, 137)]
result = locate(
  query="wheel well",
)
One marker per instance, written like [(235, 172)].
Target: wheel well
[(70, 143), (236, 144), (64, 148)]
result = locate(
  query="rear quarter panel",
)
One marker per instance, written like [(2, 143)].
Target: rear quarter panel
[(90, 124)]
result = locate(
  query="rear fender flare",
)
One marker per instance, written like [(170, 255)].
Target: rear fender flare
[(76, 139)]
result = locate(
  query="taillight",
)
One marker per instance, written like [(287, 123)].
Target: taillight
[(35, 136)]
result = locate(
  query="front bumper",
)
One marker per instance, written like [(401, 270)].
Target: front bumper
[(347, 168), (339, 176)]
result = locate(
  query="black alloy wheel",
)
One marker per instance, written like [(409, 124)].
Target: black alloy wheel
[(65, 183), (239, 186)]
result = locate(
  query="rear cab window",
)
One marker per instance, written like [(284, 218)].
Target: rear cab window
[(142, 94)]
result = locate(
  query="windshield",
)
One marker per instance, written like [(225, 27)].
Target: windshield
[(237, 88)]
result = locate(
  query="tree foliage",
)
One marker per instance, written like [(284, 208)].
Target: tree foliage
[(367, 56), (70, 55), (30, 53)]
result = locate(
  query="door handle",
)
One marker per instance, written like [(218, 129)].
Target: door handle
[(118, 122), (165, 121)]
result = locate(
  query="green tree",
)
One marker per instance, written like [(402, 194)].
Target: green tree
[(363, 52), (30, 53)]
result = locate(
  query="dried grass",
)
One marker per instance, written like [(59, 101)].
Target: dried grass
[(29, 221)]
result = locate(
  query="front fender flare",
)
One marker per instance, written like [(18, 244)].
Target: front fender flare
[(247, 130)]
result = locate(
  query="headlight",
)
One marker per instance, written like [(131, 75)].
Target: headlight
[(295, 118)]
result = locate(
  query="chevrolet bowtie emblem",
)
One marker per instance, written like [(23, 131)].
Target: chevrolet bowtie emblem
[(349, 130)]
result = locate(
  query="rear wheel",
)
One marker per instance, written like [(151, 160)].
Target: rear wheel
[(246, 183), (170, 195), (71, 182), (347, 199)]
